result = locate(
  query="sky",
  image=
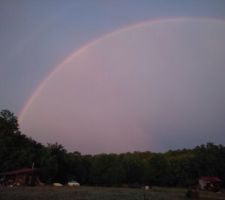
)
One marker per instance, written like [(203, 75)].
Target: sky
[(107, 76)]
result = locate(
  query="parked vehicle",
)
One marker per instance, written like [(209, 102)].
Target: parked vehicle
[(73, 184)]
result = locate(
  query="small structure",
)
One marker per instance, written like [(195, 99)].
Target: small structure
[(20, 177), (210, 183)]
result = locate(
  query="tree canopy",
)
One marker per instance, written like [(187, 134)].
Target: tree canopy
[(173, 168)]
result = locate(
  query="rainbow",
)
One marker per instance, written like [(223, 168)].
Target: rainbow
[(85, 47)]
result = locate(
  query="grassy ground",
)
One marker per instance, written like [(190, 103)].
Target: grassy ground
[(99, 193)]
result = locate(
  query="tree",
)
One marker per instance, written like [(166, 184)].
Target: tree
[(58, 165), (16, 149), (8, 123)]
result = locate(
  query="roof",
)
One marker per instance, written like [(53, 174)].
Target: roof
[(211, 178), (19, 171)]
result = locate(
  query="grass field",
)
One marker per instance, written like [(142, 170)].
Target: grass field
[(99, 193)]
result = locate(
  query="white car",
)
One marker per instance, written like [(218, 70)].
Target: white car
[(73, 183), (57, 184)]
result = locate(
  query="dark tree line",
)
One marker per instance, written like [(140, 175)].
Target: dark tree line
[(173, 168)]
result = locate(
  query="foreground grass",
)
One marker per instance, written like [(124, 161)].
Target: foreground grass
[(99, 193)]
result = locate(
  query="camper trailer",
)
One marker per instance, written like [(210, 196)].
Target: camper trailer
[(210, 183)]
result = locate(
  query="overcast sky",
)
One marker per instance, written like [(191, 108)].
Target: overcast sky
[(153, 86)]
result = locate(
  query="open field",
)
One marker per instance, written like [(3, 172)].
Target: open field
[(99, 193)]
